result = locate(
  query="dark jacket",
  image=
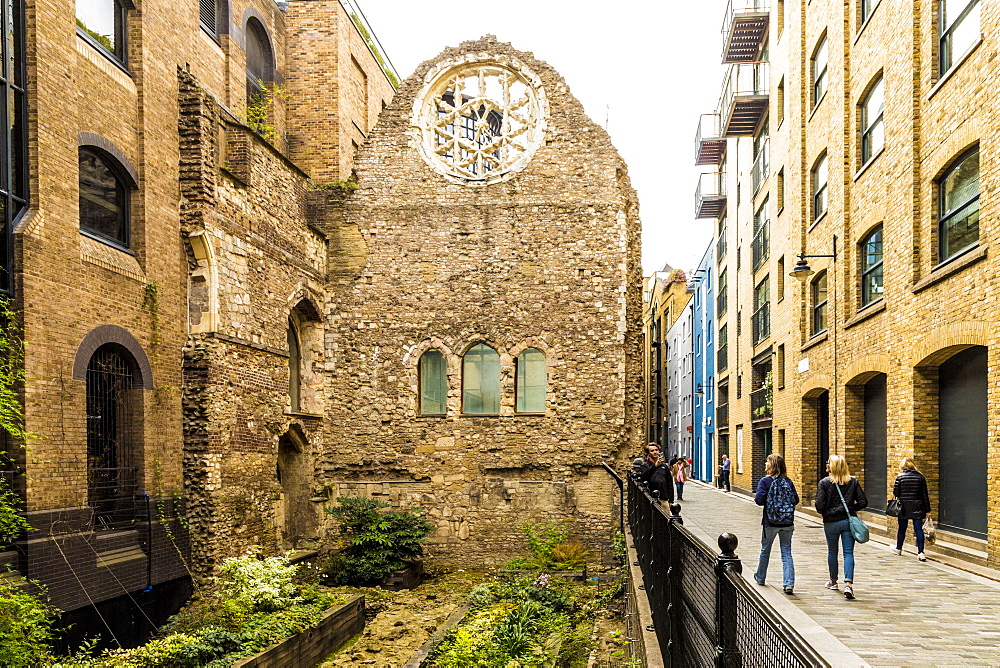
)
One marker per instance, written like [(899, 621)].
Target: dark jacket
[(911, 488), (660, 481), (828, 502), (762, 489)]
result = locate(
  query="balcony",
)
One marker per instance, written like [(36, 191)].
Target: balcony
[(761, 165), (710, 197), (744, 99), (744, 30), (760, 404), (709, 143), (722, 416)]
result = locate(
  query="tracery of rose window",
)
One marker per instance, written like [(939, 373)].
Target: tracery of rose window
[(481, 121)]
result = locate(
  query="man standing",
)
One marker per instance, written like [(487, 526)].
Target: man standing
[(724, 473)]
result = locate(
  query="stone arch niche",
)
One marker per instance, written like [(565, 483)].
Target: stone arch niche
[(298, 515), (305, 342)]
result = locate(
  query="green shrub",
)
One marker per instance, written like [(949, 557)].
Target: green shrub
[(551, 549), (254, 584), (378, 541), (25, 627)]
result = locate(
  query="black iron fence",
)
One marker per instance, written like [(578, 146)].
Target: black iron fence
[(704, 612)]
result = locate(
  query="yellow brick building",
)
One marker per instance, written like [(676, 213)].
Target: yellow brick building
[(858, 134), (664, 297)]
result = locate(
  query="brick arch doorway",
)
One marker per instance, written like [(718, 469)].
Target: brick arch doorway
[(299, 522), (815, 439)]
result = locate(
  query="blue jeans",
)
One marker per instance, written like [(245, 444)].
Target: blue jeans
[(784, 535), (680, 490), (918, 529), (840, 531)]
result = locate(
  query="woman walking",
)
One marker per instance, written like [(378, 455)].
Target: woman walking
[(911, 488), (679, 473), (776, 492), (839, 496)]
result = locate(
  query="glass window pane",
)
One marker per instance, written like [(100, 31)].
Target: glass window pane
[(102, 198), (961, 184), (433, 383), (481, 380), (97, 19), (961, 230), (532, 377)]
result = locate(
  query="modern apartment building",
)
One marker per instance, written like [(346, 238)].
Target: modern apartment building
[(703, 304), (853, 147)]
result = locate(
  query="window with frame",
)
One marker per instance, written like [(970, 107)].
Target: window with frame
[(820, 177), (104, 23), (481, 380), (871, 267), (722, 300), (720, 249), (866, 9), (210, 12), (958, 222), (819, 302), (532, 378), (958, 29), (13, 142), (260, 60), (761, 241), (762, 311), (433, 382), (780, 102), (820, 62), (104, 197), (722, 353), (872, 128)]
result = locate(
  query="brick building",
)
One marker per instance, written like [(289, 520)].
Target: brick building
[(858, 134), (141, 308), (664, 297)]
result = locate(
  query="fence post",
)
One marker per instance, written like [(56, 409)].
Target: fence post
[(674, 584), (726, 652)]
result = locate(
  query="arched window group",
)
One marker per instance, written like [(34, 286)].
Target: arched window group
[(481, 381)]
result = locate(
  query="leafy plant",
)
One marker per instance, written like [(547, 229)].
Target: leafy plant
[(378, 541), (25, 627), (259, 108), (255, 584), (551, 549), (393, 79), (12, 524)]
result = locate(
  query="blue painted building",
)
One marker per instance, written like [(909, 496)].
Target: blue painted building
[(703, 357)]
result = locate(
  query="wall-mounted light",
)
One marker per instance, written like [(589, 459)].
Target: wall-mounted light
[(803, 271), (700, 391)]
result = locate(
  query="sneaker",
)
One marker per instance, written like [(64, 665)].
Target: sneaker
[(788, 590), (921, 557), (848, 591), (758, 581), (831, 585), (897, 552)]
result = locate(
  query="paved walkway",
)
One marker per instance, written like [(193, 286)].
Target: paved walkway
[(906, 613)]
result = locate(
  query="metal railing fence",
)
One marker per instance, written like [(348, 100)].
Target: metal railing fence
[(704, 613)]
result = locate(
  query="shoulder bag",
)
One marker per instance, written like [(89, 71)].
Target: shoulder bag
[(858, 527), (894, 508)]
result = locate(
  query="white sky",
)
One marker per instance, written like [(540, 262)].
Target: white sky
[(656, 64)]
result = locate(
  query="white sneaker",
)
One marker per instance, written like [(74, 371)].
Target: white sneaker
[(897, 552), (921, 556), (831, 585)]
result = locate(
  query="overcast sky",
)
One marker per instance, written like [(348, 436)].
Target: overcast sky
[(651, 68)]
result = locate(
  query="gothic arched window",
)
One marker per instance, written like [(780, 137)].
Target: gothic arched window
[(433, 373), (481, 380), (532, 377)]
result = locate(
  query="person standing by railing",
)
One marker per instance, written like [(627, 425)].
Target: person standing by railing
[(777, 493), (724, 468), (911, 488), (836, 509)]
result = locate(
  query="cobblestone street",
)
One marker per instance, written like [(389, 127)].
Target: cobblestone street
[(906, 613)]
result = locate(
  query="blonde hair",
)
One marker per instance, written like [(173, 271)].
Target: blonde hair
[(839, 472), (907, 463)]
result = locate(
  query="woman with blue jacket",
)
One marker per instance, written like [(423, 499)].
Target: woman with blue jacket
[(776, 492)]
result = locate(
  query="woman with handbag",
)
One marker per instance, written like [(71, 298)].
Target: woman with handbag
[(838, 499), (915, 504)]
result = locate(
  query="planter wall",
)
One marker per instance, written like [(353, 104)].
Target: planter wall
[(308, 648), (407, 578)]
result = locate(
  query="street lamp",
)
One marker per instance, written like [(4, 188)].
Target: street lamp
[(803, 271)]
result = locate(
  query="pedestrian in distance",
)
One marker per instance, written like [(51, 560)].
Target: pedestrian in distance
[(777, 493), (911, 488), (724, 473), (679, 474), (838, 497)]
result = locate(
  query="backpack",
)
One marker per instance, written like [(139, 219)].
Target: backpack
[(780, 506)]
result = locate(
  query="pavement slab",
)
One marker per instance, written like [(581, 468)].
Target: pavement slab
[(907, 612)]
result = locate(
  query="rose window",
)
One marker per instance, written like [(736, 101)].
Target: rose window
[(481, 121)]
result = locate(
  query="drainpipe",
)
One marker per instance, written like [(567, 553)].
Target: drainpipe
[(621, 496)]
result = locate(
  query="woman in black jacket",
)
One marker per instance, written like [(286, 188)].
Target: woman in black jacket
[(836, 524), (911, 488)]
